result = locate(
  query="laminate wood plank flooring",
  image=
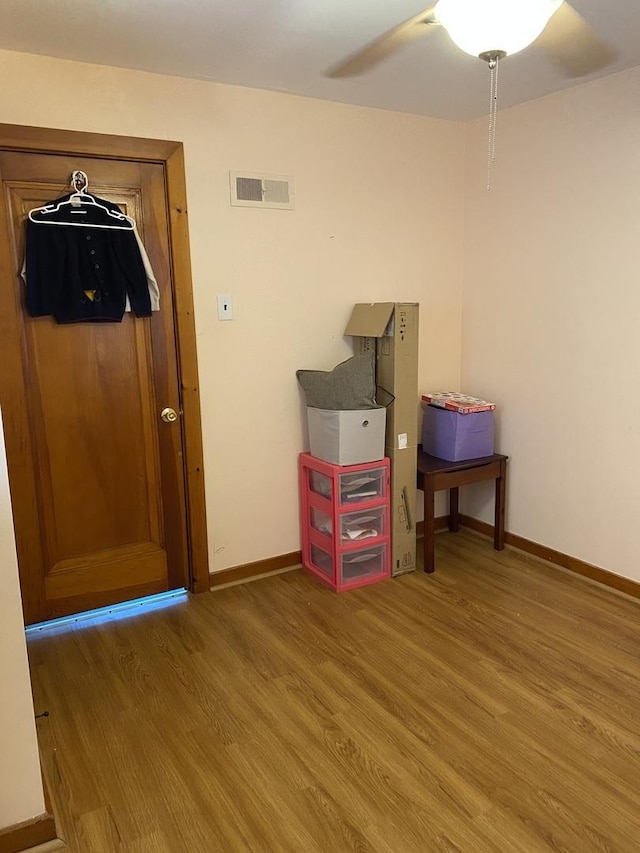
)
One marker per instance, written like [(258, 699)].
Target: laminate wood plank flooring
[(493, 706)]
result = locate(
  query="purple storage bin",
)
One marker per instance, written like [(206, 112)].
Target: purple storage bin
[(455, 437)]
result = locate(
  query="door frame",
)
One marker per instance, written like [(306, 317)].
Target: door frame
[(171, 155)]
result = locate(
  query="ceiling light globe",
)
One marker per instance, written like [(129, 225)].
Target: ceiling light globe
[(485, 26)]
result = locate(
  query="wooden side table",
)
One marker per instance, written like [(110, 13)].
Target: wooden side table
[(436, 474)]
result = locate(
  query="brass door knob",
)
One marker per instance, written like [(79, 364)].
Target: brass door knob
[(169, 415)]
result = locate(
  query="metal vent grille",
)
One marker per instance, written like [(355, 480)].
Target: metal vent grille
[(248, 189), (254, 190), (276, 191)]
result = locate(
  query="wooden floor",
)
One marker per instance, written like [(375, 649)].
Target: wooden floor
[(492, 706)]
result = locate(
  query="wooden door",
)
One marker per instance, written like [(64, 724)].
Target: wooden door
[(97, 478)]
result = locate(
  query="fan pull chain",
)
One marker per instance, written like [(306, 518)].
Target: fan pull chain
[(493, 63)]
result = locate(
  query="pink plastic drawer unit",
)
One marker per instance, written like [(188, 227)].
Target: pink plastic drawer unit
[(345, 521)]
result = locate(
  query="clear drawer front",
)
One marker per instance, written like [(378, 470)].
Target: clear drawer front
[(363, 563), (361, 486)]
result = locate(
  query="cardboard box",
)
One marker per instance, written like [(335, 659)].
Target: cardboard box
[(347, 437), (403, 509), (455, 437), (391, 329)]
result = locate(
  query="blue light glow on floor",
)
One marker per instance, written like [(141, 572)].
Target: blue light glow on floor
[(115, 612)]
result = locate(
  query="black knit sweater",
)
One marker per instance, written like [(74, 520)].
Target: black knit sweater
[(83, 272)]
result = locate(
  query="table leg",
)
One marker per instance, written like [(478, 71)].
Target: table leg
[(498, 529), (454, 515), (429, 544)]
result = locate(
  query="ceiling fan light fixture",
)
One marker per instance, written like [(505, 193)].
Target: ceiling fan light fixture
[(491, 26)]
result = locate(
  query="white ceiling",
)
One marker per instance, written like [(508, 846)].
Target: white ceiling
[(287, 45)]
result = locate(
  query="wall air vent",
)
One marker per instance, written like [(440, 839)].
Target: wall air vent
[(249, 189)]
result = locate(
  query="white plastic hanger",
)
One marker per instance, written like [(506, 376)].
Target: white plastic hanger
[(77, 201)]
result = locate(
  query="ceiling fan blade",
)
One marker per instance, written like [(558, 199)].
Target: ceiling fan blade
[(385, 45), (573, 44)]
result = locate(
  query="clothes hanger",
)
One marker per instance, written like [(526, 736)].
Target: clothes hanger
[(80, 202)]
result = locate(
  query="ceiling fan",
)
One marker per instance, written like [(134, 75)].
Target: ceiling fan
[(493, 29)]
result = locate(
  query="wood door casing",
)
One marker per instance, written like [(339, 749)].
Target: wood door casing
[(97, 480)]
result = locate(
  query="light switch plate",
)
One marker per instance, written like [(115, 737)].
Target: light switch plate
[(225, 308)]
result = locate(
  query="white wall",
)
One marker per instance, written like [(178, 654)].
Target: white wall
[(550, 295), (21, 796), (551, 311), (378, 215)]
